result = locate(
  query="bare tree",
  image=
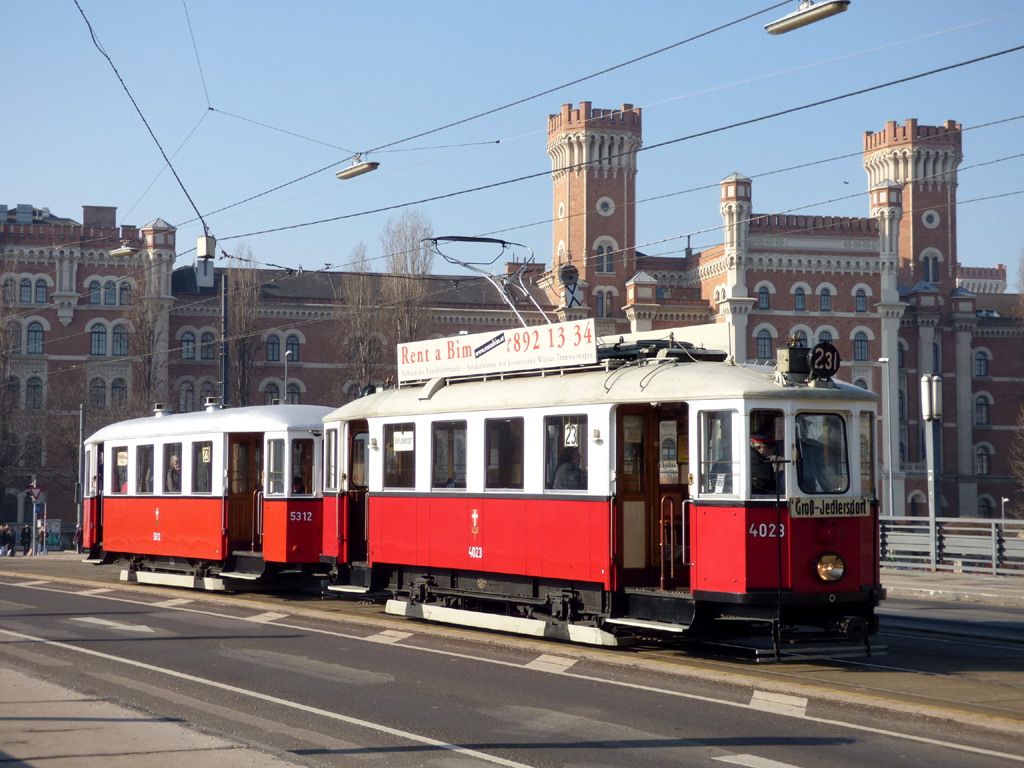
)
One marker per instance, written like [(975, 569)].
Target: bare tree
[(246, 342), (361, 319), (407, 261), (147, 319)]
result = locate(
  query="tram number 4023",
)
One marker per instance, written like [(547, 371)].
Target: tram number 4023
[(476, 552), (767, 530)]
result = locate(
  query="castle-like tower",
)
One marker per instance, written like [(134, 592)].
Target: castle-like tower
[(593, 169)]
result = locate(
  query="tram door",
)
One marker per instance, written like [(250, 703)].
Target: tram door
[(245, 497), (652, 481), (355, 498)]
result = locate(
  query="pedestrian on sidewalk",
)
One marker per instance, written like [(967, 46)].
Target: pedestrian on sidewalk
[(26, 540), (76, 540)]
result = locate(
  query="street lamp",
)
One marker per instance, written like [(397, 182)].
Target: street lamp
[(808, 13), (887, 434), (287, 355), (1003, 504), (358, 168), (931, 410)]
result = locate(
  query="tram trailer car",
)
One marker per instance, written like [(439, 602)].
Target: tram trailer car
[(637, 496), (212, 499)]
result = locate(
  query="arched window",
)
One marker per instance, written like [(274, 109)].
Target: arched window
[(799, 300), (860, 383), (764, 298), (982, 464), (120, 341), (187, 398), (26, 292), (207, 351), (609, 304), (825, 336), (98, 393), (980, 365), (860, 346), (292, 345), (902, 406), (35, 339), (109, 293), (801, 338), (826, 300), (270, 394), (118, 392), (206, 391), (98, 345), (9, 292), (273, 349), (40, 291), (188, 346), (764, 345), (602, 265), (862, 301), (981, 411), (126, 294), (34, 393), (94, 292), (984, 508), (293, 394), (600, 303)]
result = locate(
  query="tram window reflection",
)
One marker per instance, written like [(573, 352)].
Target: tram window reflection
[(358, 478), (399, 456), (120, 473), (302, 466), (144, 469), (717, 466), (275, 467), (821, 459), (449, 455), (504, 452), (202, 467), (565, 453)]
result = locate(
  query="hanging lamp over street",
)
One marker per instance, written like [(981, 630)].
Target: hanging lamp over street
[(808, 13)]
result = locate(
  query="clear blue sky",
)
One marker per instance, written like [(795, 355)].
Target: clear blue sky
[(360, 75)]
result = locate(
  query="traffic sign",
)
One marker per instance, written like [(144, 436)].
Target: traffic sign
[(34, 493)]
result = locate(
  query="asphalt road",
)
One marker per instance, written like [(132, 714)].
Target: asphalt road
[(316, 688)]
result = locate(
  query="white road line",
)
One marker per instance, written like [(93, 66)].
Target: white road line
[(31, 583), (100, 591), (112, 624), (548, 663), (779, 703), (172, 603), (275, 700), (752, 761), (388, 636), (265, 618)]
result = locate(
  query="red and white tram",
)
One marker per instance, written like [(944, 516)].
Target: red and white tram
[(207, 498), (647, 488)]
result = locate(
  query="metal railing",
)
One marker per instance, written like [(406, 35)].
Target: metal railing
[(962, 545)]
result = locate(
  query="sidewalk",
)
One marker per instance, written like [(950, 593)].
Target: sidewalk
[(968, 587)]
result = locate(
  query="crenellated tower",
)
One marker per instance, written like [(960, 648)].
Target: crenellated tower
[(924, 161)]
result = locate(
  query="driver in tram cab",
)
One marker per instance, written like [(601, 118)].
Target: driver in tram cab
[(569, 476), (762, 473)]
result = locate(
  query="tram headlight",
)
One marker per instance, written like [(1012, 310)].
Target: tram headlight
[(830, 567)]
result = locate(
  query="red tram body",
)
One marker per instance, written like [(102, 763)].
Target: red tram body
[(196, 499)]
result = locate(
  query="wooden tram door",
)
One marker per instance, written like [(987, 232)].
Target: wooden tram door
[(245, 497), (355, 498), (652, 486)]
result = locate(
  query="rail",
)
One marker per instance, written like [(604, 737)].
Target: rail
[(962, 545)]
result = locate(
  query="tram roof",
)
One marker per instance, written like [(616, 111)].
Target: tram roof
[(662, 381), (256, 418)]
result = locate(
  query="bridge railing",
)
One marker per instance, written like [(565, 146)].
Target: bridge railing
[(962, 545)]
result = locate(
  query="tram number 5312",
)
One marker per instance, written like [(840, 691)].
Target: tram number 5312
[(768, 530)]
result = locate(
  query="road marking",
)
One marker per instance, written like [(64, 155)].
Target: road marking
[(112, 624), (32, 583), (173, 603), (265, 618), (275, 700), (100, 591), (549, 663), (388, 636), (752, 761), (779, 703)]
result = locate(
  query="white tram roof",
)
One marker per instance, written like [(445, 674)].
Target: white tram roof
[(256, 418), (662, 381)]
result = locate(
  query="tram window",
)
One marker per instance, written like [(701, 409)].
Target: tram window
[(565, 453), (302, 466), (120, 473), (202, 467), (144, 469), (821, 463), (867, 454), (276, 467), (358, 472), (767, 433), (399, 456), (449, 455), (172, 468), (504, 452), (91, 489), (717, 467), (633, 476), (331, 459)]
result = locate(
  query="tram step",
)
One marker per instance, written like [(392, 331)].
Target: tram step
[(354, 589), (240, 575), (657, 626)]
